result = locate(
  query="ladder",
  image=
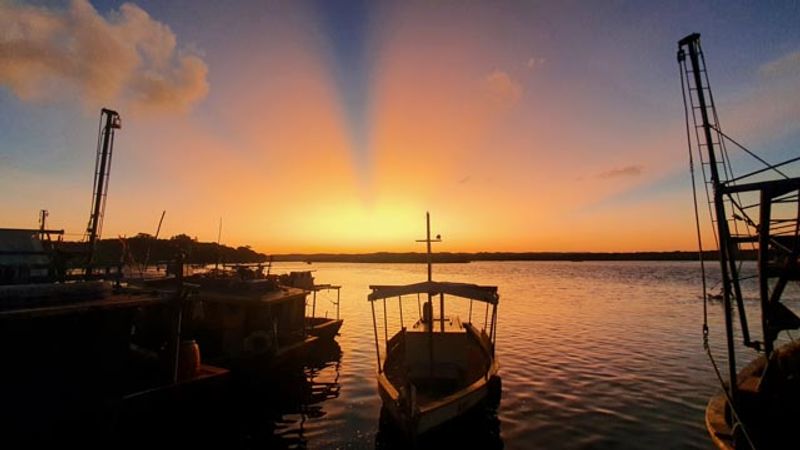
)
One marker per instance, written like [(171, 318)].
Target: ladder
[(760, 216), (102, 173)]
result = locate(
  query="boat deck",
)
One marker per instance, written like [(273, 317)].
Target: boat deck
[(437, 364)]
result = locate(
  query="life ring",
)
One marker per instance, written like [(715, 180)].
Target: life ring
[(258, 342)]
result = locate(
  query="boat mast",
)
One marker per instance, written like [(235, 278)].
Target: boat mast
[(219, 239), (774, 232), (102, 172), (428, 241), (692, 43), (429, 304)]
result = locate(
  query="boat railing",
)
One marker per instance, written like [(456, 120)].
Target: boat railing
[(430, 322)]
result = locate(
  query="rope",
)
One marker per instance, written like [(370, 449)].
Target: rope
[(706, 346), (762, 161), (696, 210), (730, 400)]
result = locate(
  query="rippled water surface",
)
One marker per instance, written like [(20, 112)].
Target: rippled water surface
[(592, 354)]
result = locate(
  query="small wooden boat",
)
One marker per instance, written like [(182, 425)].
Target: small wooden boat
[(321, 327), (441, 367)]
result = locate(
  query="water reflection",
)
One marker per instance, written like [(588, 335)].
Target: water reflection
[(280, 407), (479, 428)]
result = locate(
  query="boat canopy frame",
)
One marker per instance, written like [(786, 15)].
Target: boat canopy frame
[(472, 292), (486, 294), (325, 287)]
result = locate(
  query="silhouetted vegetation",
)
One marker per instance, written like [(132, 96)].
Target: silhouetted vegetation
[(385, 257), (135, 250)]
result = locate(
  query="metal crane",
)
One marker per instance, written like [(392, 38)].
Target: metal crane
[(109, 121)]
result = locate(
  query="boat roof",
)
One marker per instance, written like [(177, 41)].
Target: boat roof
[(323, 287), (486, 294), (20, 247), (282, 294), (55, 299)]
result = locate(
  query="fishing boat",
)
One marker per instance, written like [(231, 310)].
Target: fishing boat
[(81, 349), (249, 322), (323, 327), (80, 353), (441, 367), (756, 213)]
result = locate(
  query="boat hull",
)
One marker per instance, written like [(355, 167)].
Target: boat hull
[(440, 412), (767, 403), (323, 328)]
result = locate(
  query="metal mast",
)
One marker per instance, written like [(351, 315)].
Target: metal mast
[(763, 214), (429, 303), (692, 44), (102, 173)]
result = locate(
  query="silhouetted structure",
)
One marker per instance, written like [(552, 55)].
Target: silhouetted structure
[(761, 404), (440, 368)]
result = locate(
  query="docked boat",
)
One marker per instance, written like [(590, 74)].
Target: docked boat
[(756, 213), (80, 350), (78, 354), (249, 322), (323, 327), (441, 366)]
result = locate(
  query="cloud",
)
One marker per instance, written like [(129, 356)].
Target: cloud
[(125, 57), (786, 65), (771, 107), (627, 171), (502, 89), (534, 62)]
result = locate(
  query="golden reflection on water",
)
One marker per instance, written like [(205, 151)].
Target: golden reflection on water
[(591, 354)]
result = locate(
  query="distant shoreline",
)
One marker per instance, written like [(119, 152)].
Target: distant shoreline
[(112, 251), (445, 257)]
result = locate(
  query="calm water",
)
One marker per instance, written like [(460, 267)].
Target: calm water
[(592, 354)]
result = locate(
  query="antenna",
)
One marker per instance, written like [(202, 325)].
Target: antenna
[(428, 240), (42, 223), (219, 239), (155, 239)]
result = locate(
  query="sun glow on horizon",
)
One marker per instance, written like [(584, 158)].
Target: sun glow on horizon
[(310, 128)]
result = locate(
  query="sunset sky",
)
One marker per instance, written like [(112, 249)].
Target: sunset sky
[(333, 126)]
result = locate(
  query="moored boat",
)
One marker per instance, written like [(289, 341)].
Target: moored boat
[(441, 367), (759, 405), (80, 350), (250, 323), (323, 327)]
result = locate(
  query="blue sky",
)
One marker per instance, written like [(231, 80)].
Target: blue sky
[(521, 108)]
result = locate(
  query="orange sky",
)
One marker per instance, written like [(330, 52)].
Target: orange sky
[(539, 135)]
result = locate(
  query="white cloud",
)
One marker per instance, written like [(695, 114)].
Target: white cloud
[(534, 62), (771, 107), (786, 65), (125, 57), (502, 89), (627, 171)]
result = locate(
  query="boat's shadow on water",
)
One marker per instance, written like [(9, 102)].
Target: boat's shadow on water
[(272, 412), (479, 428)]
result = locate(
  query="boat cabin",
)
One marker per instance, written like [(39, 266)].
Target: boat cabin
[(23, 257)]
